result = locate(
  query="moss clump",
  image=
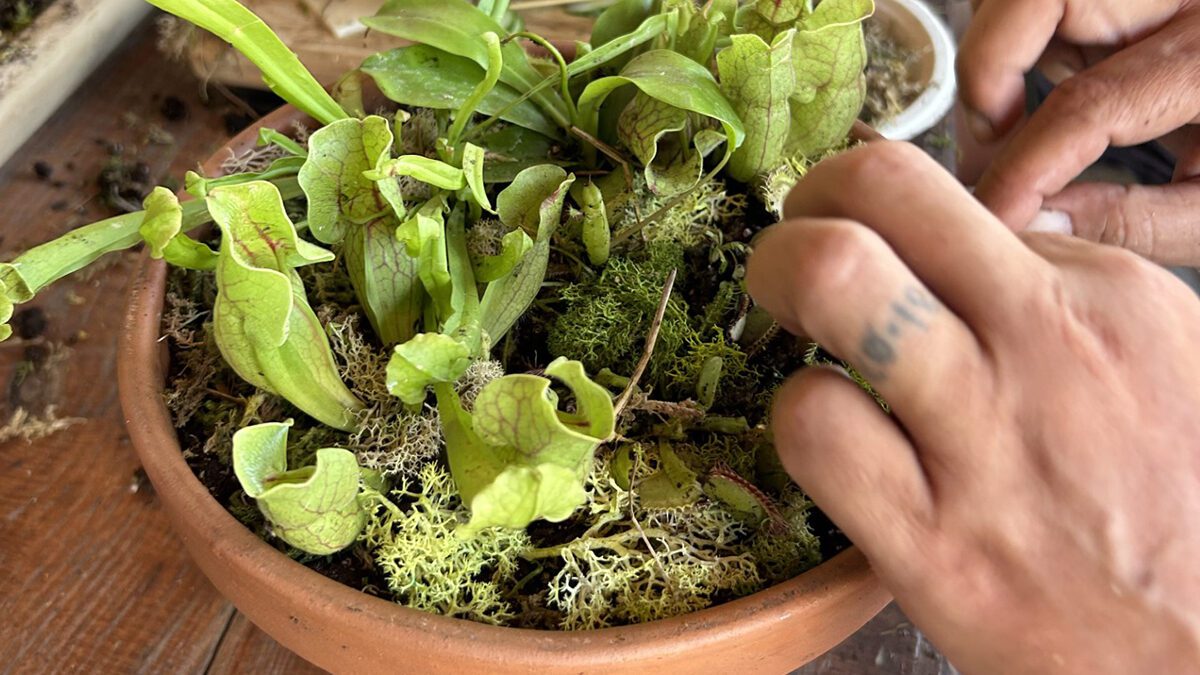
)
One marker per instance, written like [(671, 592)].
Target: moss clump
[(789, 547), (428, 566), (604, 323)]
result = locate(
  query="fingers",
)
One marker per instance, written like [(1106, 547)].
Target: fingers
[(1002, 43), (839, 283), (1161, 223), (964, 255), (853, 461), (1138, 94)]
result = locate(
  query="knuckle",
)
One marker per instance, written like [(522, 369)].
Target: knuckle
[(833, 258)]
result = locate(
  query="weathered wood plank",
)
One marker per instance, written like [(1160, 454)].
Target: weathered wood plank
[(93, 577)]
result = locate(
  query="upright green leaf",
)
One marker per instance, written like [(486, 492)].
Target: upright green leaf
[(829, 54), (472, 167), (422, 76), (758, 79), (262, 322), (620, 21), (455, 26), (597, 236), (506, 299), (281, 69), (516, 458), (491, 76), (317, 509)]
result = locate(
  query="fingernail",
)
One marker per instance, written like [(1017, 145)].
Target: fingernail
[(980, 126), (1049, 220)]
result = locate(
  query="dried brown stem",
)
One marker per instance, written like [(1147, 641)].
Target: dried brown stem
[(651, 340)]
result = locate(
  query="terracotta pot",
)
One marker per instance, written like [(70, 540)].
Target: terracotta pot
[(343, 630)]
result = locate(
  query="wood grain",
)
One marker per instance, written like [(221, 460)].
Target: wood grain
[(91, 577)]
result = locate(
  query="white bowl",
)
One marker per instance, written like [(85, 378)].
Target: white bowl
[(914, 26)]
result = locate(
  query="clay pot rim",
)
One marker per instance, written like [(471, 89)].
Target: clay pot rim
[(141, 375)]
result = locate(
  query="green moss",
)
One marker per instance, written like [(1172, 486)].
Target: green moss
[(429, 567), (605, 323), (783, 552)]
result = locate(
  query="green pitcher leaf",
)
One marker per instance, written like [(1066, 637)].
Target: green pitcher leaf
[(161, 230), (262, 322), (506, 299), (673, 79), (528, 460), (269, 136), (463, 322), (424, 235), (385, 279), (829, 54), (426, 359), (738, 494), (339, 196), (651, 129), (344, 205), (425, 77), (519, 205), (27, 274), (781, 11), (455, 26), (615, 26), (198, 186), (758, 79), (318, 508), (491, 77), (281, 69)]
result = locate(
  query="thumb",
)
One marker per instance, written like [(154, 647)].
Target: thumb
[(1159, 222)]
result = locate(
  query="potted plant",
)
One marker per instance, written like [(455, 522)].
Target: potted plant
[(484, 350)]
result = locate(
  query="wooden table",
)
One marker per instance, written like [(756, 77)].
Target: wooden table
[(91, 576)]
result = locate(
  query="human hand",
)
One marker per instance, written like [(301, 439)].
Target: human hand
[(1128, 72), (1033, 502)]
